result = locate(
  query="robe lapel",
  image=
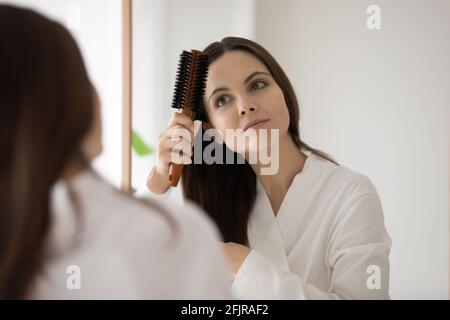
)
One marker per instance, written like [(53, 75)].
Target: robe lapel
[(263, 231)]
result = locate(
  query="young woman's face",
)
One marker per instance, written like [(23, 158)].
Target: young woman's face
[(240, 90)]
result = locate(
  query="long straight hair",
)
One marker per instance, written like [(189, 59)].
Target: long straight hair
[(47, 106), (46, 109), (227, 192)]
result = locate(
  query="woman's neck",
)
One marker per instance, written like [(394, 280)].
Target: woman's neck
[(291, 161)]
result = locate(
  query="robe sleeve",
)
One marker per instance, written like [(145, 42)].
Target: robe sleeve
[(357, 257)]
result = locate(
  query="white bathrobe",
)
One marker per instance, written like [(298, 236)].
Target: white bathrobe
[(127, 249), (328, 240)]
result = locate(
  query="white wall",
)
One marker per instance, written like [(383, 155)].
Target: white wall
[(378, 101), (97, 27)]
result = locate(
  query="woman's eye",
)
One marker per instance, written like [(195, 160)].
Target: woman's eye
[(222, 100), (258, 85)]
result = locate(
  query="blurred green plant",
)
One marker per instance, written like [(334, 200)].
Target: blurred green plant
[(139, 146)]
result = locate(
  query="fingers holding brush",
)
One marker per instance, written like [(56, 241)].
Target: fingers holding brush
[(174, 146), (178, 132), (176, 151), (179, 118)]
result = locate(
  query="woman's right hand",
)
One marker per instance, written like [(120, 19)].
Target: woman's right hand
[(176, 138)]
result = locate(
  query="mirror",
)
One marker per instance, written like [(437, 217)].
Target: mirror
[(372, 81), (161, 31)]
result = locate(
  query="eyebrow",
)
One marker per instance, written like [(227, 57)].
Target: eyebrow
[(245, 82)]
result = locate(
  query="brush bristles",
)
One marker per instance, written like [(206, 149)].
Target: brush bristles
[(191, 81)]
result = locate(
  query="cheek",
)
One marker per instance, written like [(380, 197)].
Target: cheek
[(285, 119), (225, 119), (222, 121), (280, 113)]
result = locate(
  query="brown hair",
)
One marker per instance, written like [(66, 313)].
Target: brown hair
[(227, 192), (47, 106)]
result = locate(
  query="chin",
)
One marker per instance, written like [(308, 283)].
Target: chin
[(256, 146)]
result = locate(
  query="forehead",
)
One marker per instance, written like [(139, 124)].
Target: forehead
[(233, 65)]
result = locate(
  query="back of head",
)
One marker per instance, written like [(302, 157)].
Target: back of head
[(46, 109)]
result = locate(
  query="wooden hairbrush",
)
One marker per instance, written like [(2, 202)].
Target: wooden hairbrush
[(188, 96)]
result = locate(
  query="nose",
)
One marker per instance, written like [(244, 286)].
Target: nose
[(247, 108)]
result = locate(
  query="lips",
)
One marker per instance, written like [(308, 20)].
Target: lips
[(254, 123)]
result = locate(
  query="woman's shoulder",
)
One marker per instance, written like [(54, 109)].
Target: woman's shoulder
[(340, 179), (128, 248), (353, 197), (156, 218)]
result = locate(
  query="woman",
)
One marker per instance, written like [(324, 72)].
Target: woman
[(64, 232), (311, 230)]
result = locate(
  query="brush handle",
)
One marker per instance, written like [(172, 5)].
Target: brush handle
[(175, 169)]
